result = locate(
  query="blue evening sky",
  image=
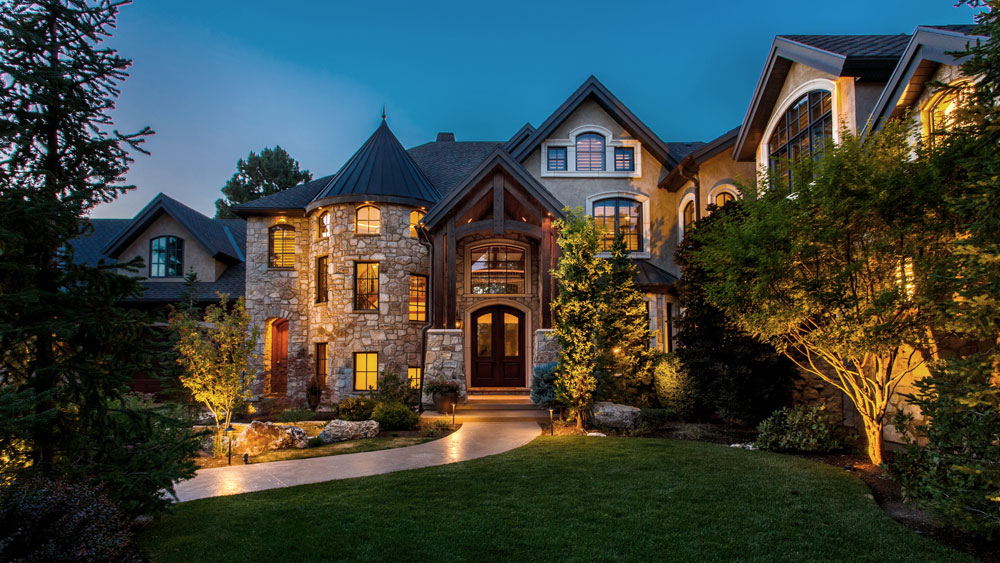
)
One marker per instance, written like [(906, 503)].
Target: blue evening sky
[(217, 79)]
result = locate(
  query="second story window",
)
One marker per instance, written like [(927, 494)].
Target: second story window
[(418, 298), (557, 158), (624, 159), (166, 257), (366, 286), (368, 220), (590, 152), (619, 215), (323, 225), (281, 246), (802, 131), (687, 216), (416, 216), (723, 198), (497, 269), (322, 288)]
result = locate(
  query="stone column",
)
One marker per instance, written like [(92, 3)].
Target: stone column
[(546, 349), (445, 359)]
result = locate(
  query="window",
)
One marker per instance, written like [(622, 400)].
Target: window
[(413, 376), (497, 269), (557, 158), (366, 286), (320, 357), (723, 198), (281, 246), (802, 131), (368, 220), (668, 329), (321, 279), (416, 216), (365, 371), (624, 159), (616, 215), (418, 298), (940, 113), (590, 152), (688, 215), (166, 257), (323, 225)]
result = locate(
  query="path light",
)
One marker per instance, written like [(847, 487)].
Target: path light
[(246, 458), (552, 424), (453, 414), (229, 434)]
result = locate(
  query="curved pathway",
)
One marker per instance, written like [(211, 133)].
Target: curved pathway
[(472, 440)]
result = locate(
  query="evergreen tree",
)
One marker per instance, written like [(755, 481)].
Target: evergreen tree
[(626, 360), (67, 348), (269, 172), (577, 311)]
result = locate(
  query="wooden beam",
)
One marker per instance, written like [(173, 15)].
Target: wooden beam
[(545, 266), (437, 270), (533, 231), (471, 200), (498, 203), (452, 289)]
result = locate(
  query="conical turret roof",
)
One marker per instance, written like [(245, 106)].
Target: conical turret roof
[(381, 170)]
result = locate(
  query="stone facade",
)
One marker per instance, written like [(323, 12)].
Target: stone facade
[(546, 348), (445, 359)]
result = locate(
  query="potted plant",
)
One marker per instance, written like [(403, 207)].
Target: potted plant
[(443, 392)]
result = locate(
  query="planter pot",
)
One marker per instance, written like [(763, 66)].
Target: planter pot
[(444, 401)]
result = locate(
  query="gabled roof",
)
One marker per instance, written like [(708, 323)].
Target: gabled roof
[(593, 89), (381, 170), (216, 237), (521, 136), (928, 49), (501, 158), (446, 163), (292, 200), (865, 57), (702, 152)]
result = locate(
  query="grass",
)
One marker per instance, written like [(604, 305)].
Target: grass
[(565, 498)]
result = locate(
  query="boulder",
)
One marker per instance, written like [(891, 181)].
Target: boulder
[(343, 430), (260, 437), (612, 415)]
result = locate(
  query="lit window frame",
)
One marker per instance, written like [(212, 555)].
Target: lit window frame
[(282, 258), (417, 301), (372, 289), (413, 376), (371, 376), (323, 225), (807, 140), (478, 245), (372, 223), (589, 150), (416, 216), (608, 237)]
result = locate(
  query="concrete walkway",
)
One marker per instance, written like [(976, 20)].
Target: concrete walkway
[(471, 441)]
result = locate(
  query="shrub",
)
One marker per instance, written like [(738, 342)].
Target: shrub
[(674, 388), (435, 428), (58, 521), (394, 388), (395, 416), (803, 428), (356, 408), (296, 415), (543, 385), (441, 385), (656, 418), (315, 442)]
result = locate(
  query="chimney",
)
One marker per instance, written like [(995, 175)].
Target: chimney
[(446, 138)]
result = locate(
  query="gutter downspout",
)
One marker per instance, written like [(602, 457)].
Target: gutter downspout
[(424, 239)]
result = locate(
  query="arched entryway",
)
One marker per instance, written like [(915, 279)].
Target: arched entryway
[(278, 335), (498, 350)]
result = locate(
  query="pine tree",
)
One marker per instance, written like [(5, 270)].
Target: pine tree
[(267, 173)]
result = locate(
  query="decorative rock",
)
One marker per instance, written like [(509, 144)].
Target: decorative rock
[(260, 437), (343, 430), (613, 415), (597, 434)]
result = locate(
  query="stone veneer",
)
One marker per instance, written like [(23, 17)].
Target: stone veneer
[(291, 294), (445, 359), (546, 348)]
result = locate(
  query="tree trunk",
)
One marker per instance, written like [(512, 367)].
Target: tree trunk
[(873, 439), (579, 420)]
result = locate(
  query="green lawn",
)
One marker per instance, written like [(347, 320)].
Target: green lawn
[(558, 498)]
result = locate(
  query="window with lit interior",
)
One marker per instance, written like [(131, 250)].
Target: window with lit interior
[(368, 220), (366, 286), (281, 246), (624, 159), (418, 298), (413, 377), (803, 130), (590, 152), (939, 114), (365, 371), (323, 225), (723, 198), (619, 215), (497, 269), (416, 216), (166, 257)]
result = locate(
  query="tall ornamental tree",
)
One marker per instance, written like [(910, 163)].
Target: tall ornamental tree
[(577, 311), (267, 173), (216, 355), (825, 272), (67, 351)]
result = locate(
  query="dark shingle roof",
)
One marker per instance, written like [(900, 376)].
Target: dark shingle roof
[(855, 45), (89, 248), (380, 170), (231, 282), (297, 197), (965, 28), (448, 163), (680, 150)]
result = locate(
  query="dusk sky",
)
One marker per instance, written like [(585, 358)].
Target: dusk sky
[(218, 79)]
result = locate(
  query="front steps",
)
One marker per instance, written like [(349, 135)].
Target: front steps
[(497, 406)]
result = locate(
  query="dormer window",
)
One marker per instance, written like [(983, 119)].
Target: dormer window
[(802, 131), (590, 152), (624, 159), (557, 158), (166, 257), (323, 225), (368, 220)]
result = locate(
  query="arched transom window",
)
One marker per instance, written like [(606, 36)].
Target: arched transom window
[(323, 225), (497, 269), (416, 216), (281, 246), (803, 130), (368, 220), (166, 257), (619, 215), (723, 198), (590, 152), (939, 114)]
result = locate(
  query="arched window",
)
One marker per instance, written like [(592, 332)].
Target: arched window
[(416, 216), (281, 246), (723, 198), (323, 225), (590, 152), (368, 220), (939, 114), (688, 215), (614, 215), (497, 269), (803, 130), (166, 257)]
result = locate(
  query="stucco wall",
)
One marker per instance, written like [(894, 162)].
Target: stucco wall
[(196, 258)]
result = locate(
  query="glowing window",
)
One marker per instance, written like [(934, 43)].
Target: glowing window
[(416, 216), (323, 225), (365, 371), (616, 215), (723, 198), (418, 298), (497, 269), (802, 131), (366, 286), (940, 113), (590, 152), (368, 220), (281, 246), (413, 377), (166, 257)]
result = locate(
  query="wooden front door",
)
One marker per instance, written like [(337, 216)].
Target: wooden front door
[(279, 357), (498, 347)]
